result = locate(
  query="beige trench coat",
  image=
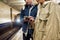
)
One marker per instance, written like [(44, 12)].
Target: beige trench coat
[(47, 23)]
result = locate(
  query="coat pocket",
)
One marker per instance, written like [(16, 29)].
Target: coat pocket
[(43, 17)]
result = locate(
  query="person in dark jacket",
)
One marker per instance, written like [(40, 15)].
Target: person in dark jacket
[(27, 16)]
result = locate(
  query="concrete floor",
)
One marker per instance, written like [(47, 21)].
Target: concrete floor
[(18, 35)]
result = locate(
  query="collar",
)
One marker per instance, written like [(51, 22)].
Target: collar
[(28, 6), (45, 3)]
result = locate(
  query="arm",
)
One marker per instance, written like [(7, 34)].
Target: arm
[(22, 16)]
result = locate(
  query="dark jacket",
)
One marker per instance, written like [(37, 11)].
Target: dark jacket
[(25, 12)]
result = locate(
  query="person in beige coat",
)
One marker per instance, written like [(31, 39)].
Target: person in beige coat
[(47, 23)]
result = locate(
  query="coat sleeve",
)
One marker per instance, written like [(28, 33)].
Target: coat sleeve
[(58, 17), (56, 10), (21, 15)]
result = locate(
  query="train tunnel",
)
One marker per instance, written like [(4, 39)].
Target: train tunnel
[(8, 14), (10, 28)]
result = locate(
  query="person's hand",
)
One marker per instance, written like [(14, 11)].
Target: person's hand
[(26, 19), (31, 19)]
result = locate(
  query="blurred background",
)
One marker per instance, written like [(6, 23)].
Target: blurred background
[(9, 18)]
